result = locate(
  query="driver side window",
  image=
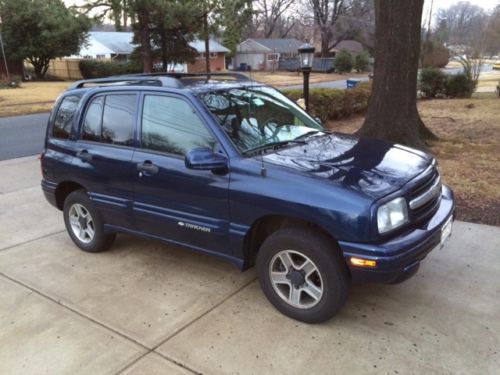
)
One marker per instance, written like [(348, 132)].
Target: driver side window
[(171, 125)]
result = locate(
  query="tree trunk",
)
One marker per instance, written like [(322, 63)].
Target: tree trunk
[(40, 66), (207, 41), (325, 41), (146, 54), (392, 112)]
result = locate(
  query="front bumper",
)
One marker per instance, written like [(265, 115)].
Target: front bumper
[(399, 258)]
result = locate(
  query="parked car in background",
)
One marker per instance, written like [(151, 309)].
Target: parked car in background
[(229, 167)]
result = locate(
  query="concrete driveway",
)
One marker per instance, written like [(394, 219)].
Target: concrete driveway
[(147, 308)]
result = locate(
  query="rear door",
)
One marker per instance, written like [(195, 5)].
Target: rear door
[(103, 154), (184, 206)]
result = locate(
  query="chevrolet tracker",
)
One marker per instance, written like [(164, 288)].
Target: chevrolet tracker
[(225, 166)]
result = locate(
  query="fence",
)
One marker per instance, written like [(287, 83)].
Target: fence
[(64, 69), (319, 64)]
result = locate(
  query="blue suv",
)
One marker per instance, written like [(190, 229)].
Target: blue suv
[(229, 167)]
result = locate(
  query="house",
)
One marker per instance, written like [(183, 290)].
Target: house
[(264, 54), (118, 46), (353, 46)]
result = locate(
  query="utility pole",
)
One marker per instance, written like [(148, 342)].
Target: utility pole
[(4, 57), (427, 36)]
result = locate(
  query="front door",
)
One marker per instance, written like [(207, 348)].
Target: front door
[(172, 202)]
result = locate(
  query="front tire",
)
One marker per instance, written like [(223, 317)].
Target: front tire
[(84, 223), (302, 274)]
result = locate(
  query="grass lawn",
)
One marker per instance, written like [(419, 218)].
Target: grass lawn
[(468, 151), (31, 97)]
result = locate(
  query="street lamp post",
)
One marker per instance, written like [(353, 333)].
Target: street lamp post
[(306, 56)]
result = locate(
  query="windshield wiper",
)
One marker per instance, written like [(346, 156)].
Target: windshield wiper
[(274, 145), (312, 132)]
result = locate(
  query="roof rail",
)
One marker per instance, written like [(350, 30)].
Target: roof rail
[(129, 79), (238, 76)]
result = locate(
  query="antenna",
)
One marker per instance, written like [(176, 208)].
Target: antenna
[(263, 170)]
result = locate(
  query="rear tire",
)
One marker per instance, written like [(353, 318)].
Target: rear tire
[(84, 223), (302, 274)]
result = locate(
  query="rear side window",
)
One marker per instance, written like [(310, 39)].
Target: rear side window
[(118, 120), (110, 119), (64, 117), (93, 120)]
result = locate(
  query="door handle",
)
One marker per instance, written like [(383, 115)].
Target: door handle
[(84, 155), (147, 167)]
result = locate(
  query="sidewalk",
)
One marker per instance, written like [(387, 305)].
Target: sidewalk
[(147, 308)]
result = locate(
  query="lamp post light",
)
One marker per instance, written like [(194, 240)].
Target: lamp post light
[(306, 56)]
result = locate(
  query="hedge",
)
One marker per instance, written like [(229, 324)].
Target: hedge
[(100, 69), (331, 104)]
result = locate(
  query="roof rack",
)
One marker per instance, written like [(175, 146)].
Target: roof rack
[(238, 76), (154, 79), (129, 79)]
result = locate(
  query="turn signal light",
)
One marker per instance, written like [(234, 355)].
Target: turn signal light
[(363, 262)]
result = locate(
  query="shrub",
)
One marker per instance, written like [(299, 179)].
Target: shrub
[(432, 82), (330, 104), (99, 69), (459, 86), (361, 62), (12, 83), (343, 61), (435, 55)]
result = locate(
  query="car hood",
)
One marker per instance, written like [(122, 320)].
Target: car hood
[(373, 167)]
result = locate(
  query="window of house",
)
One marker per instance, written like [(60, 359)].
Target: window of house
[(171, 125), (63, 121), (213, 55), (273, 56), (110, 119)]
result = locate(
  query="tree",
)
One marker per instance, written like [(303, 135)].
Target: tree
[(270, 13), (392, 111), (234, 14), (41, 30), (461, 23), (338, 20), (174, 24), (117, 10), (141, 10)]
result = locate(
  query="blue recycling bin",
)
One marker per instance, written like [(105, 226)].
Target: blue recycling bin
[(352, 83)]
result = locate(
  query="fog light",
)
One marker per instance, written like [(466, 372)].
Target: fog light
[(363, 262)]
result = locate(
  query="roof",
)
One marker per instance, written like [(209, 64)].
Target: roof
[(121, 43), (350, 45), (270, 45), (199, 45)]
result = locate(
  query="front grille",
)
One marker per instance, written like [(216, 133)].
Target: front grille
[(425, 197)]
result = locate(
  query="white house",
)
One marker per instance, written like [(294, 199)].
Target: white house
[(114, 45)]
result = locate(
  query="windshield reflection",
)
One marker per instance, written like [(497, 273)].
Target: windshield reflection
[(258, 118)]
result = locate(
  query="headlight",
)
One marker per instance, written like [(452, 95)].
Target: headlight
[(392, 215)]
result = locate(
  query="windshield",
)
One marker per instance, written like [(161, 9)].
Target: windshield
[(259, 118)]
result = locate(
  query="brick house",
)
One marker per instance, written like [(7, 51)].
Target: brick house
[(114, 45)]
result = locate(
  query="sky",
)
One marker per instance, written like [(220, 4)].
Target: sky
[(486, 4)]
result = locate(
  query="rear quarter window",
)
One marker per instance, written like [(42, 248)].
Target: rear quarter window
[(63, 120)]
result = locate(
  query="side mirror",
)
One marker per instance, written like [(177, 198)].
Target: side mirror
[(204, 159), (318, 120)]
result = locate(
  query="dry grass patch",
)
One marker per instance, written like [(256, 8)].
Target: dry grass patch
[(31, 97), (468, 151), (280, 79)]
